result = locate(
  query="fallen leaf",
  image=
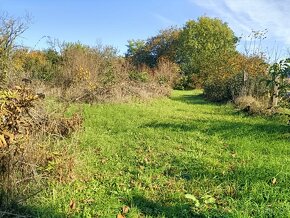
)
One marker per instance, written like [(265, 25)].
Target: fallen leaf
[(234, 155), (104, 160), (274, 181), (125, 209), (72, 205)]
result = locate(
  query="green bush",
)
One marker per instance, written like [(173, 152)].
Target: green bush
[(184, 82), (217, 90), (220, 90), (138, 76)]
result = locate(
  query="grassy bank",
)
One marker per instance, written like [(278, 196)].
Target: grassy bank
[(174, 157)]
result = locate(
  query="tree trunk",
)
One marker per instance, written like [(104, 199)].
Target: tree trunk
[(275, 93), (275, 96), (245, 80)]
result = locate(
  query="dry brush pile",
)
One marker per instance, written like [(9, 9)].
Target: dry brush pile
[(25, 153)]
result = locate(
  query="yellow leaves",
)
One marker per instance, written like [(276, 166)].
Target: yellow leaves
[(83, 73), (8, 135), (252, 65), (234, 154), (3, 142), (7, 94), (37, 57), (6, 138), (14, 104)]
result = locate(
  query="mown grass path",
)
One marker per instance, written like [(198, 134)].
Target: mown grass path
[(148, 156)]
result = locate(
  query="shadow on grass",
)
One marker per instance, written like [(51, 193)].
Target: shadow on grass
[(16, 210), (191, 99), (191, 168), (157, 209), (187, 169), (231, 129), (227, 129), (152, 208), (239, 184), (171, 126)]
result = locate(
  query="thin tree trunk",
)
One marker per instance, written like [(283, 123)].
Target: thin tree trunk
[(245, 80), (275, 93)]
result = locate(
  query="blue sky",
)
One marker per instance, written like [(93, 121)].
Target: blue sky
[(113, 22)]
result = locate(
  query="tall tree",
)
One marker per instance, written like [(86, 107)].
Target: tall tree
[(164, 45), (149, 52), (139, 53), (203, 46)]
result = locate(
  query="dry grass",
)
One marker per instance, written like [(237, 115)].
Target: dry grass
[(251, 105), (119, 86)]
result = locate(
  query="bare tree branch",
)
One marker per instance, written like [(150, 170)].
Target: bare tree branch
[(10, 29)]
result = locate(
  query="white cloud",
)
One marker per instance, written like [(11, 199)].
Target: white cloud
[(246, 15), (164, 20)]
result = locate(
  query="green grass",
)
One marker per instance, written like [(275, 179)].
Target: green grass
[(148, 156)]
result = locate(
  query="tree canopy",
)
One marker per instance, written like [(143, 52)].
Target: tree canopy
[(204, 45), (200, 47), (162, 46)]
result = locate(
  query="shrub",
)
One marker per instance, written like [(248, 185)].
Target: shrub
[(250, 105), (239, 76), (217, 90), (99, 75), (93, 74), (166, 73)]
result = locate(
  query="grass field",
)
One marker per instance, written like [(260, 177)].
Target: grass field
[(174, 157)]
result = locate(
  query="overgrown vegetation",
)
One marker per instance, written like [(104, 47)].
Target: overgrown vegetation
[(94, 74), (174, 157)]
